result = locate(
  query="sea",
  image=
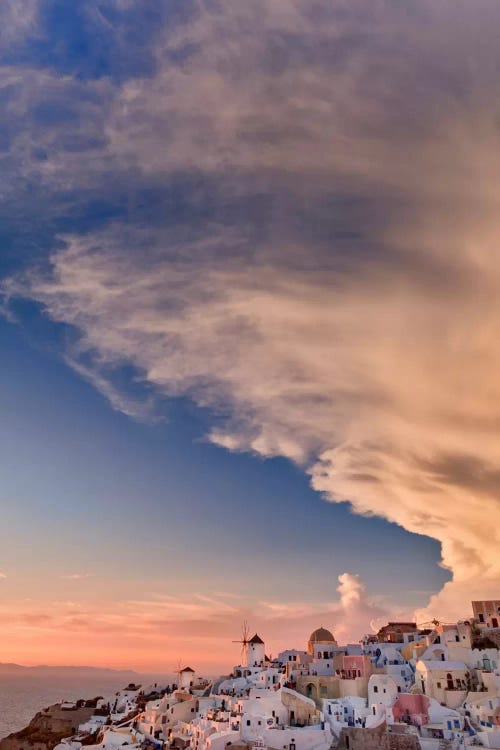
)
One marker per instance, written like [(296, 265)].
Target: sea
[(26, 691)]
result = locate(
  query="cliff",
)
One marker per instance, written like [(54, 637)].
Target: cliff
[(49, 727)]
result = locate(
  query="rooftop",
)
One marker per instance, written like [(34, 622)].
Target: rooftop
[(256, 639)]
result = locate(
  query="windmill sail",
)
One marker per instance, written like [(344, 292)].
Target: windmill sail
[(244, 640)]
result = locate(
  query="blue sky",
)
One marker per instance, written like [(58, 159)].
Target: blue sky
[(248, 348), (82, 472)]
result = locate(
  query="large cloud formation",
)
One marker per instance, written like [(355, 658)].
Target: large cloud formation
[(333, 293)]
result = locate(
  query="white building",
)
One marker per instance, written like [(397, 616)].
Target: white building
[(446, 681), (256, 652)]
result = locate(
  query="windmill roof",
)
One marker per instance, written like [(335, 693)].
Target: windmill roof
[(256, 639), (187, 669)]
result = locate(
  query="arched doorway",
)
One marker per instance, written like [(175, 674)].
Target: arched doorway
[(311, 691)]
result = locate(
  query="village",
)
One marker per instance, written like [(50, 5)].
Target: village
[(431, 687)]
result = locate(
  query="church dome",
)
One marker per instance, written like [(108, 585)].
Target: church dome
[(320, 635)]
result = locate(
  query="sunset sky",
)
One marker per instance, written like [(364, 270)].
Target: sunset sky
[(250, 323)]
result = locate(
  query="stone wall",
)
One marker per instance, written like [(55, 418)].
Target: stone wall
[(401, 742), (355, 738)]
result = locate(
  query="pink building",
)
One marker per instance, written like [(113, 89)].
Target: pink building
[(487, 613), (355, 666), (413, 709)]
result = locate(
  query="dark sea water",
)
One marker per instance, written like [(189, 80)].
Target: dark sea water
[(24, 693)]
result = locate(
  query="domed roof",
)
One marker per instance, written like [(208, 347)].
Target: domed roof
[(320, 635)]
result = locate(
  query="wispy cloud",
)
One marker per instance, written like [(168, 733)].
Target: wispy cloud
[(17, 22), (203, 626)]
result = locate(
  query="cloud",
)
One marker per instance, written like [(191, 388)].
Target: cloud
[(76, 576), (349, 319), (2, 576), (16, 22), (354, 614), (159, 627), (141, 409)]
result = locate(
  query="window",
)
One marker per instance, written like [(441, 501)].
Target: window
[(375, 688), (481, 617), (399, 688), (248, 722), (438, 684)]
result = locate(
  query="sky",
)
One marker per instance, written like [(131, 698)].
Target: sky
[(249, 323)]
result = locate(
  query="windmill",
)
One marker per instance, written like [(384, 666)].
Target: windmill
[(244, 640), (178, 672), (430, 625)]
